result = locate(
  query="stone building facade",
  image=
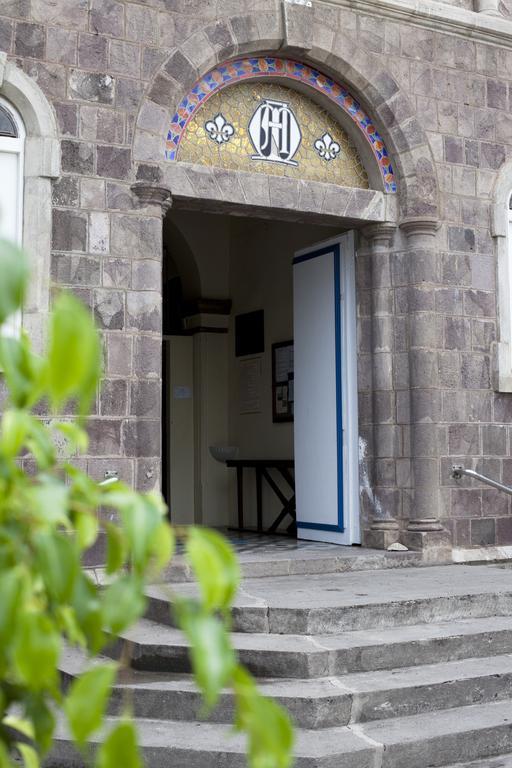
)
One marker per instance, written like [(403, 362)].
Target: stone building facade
[(97, 84)]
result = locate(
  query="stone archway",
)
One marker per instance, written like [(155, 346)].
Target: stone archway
[(314, 36), (407, 259)]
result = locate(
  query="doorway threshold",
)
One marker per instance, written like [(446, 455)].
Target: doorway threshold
[(263, 555)]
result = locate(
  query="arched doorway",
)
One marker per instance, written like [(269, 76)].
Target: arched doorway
[(280, 121)]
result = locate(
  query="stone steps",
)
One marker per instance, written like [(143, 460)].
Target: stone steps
[(421, 741), (157, 648), (324, 702), (334, 603), (398, 668)]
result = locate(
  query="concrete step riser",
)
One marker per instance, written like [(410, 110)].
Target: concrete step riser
[(404, 702), (443, 750), (168, 658), (325, 712), (416, 653), (420, 753), (404, 613), (64, 756), (188, 706), (335, 620), (325, 663)]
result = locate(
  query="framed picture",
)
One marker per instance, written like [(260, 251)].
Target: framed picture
[(282, 381)]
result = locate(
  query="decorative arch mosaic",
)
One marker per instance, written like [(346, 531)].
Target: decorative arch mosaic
[(235, 118)]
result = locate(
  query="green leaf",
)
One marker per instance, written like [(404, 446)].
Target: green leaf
[(162, 545), (123, 602), (39, 712), (29, 755), (37, 649), (116, 548), (74, 354), (23, 726), (87, 605), (14, 271), (40, 444), (11, 590), (58, 562), (86, 527), (69, 625), (13, 431), (268, 727), (120, 748), (23, 371), (211, 655), (87, 700), (48, 501), (5, 761), (215, 566), (141, 516)]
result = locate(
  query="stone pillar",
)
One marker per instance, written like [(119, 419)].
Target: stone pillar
[(420, 268), (384, 526), (140, 237), (490, 7)]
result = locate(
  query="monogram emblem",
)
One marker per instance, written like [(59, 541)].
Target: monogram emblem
[(219, 129), (327, 148), (274, 132)]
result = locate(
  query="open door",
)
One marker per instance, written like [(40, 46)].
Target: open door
[(326, 425)]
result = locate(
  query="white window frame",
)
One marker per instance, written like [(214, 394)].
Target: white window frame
[(11, 145)]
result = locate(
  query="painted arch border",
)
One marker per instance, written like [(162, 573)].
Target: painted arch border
[(257, 67)]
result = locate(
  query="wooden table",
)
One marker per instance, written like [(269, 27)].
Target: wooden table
[(263, 467)]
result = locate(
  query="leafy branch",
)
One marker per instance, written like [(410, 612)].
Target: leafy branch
[(49, 518)]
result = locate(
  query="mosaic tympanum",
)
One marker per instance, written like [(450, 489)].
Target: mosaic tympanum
[(242, 115), (268, 128)]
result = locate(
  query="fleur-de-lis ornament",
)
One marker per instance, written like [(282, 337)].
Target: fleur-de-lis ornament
[(219, 129), (327, 148)]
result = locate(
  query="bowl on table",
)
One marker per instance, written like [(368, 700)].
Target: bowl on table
[(224, 453)]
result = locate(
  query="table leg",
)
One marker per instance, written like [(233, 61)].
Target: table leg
[(259, 505), (240, 495)]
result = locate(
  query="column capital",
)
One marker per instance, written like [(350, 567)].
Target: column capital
[(380, 234), (426, 225), (152, 194)]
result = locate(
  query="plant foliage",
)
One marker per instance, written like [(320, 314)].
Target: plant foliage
[(49, 515)]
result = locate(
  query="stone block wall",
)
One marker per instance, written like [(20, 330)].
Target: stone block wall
[(97, 60)]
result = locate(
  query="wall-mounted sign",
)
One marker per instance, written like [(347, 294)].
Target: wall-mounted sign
[(249, 385)]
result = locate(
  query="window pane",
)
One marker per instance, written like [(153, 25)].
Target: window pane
[(9, 196), (10, 216), (7, 124)]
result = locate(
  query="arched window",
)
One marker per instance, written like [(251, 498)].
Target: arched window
[(12, 143)]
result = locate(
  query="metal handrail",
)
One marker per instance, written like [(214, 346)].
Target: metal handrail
[(458, 470)]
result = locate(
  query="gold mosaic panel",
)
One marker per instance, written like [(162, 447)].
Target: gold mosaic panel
[(226, 142)]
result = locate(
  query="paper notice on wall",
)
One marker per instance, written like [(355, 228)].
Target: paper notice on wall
[(284, 362), (250, 385)]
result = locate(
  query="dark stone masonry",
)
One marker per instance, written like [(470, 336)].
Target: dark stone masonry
[(434, 348)]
